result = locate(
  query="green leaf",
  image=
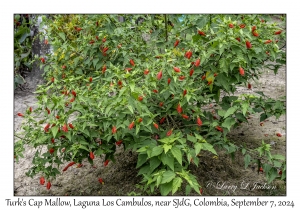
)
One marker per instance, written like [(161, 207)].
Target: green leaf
[(62, 35), (167, 177), (191, 138), (132, 85), (54, 131), (278, 157), (142, 158), (209, 147), (228, 122), (168, 160), (221, 112), (198, 147), (83, 147), (154, 163), (177, 154), (167, 147), (158, 180), (176, 184), (130, 108), (95, 61), (245, 106), (156, 151), (247, 160), (272, 174), (166, 188), (263, 116), (230, 111)]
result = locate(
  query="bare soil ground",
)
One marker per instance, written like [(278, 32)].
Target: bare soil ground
[(221, 176)]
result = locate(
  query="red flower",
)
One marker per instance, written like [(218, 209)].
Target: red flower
[(169, 133), (261, 169), (48, 185), (203, 77), (48, 110), (201, 33), (253, 28), (114, 129), (120, 82), (155, 91), (248, 44), (71, 126), (278, 134), (191, 72), (46, 128), (179, 108), (103, 69), (230, 25), (46, 41), (52, 79), (201, 191), (90, 79), (280, 172), (181, 77), (188, 54), (128, 69), (131, 125), (161, 103), (42, 180), (238, 38), (146, 72), (53, 140), (20, 114), (169, 80), (176, 43), (162, 120), (209, 82), (140, 98), (197, 62), (159, 75), (97, 37), (51, 150), (199, 122), (119, 46), (92, 42), (277, 32), (105, 49), (119, 142), (268, 41), (219, 128), (242, 25), (65, 128), (92, 156), (140, 120), (73, 93), (215, 74), (42, 60), (184, 92), (131, 62), (57, 117), (104, 40), (69, 165), (155, 125), (30, 109), (106, 162), (249, 86), (242, 72), (185, 116), (255, 33), (101, 181), (176, 69)]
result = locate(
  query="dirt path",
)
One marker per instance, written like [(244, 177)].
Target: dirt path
[(222, 176)]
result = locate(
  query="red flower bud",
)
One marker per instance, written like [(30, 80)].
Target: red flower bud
[(185, 116), (248, 44), (118, 143), (155, 125), (71, 126), (159, 75), (65, 128), (230, 25), (114, 129), (176, 69), (199, 122), (242, 25), (277, 32), (162, 120), (131, 62), (103, 69), (155, 91), (51, 150), (42, 180), (146, 72), (169, 133), (131, 125), (201, 33), (20, 114), (48, 185), (92, 156), (176, 43), (106, 162), (197, 62), (184, 92), (242, 72), (191, 72), (169, 80), (101, 181), (90, 79), (179, 108)]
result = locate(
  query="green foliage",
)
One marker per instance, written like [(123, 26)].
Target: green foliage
[(94, 85), (22, 47)]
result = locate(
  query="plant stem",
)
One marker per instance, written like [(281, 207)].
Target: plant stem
[(166, 27)]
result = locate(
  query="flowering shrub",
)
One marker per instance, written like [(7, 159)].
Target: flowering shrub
[(148, 83)]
